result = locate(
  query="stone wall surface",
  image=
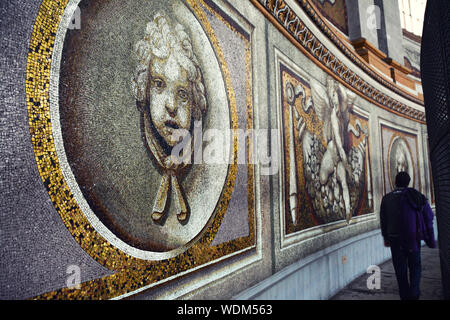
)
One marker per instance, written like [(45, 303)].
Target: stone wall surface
[(193, 150)]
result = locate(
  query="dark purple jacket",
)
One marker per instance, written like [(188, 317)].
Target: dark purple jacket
[(406, 214)]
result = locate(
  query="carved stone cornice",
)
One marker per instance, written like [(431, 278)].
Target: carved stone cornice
[(290, 24)]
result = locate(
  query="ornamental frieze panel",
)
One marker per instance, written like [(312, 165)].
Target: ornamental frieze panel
[(327, 165), (109, 103)]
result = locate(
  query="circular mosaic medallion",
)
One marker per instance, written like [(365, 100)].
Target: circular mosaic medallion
[(124, 98)]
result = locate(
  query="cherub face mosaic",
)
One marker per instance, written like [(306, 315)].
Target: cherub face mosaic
[(327, 162), (103, 127), (170, 95)]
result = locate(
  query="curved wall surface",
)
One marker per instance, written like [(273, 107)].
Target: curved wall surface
[(197, 149)]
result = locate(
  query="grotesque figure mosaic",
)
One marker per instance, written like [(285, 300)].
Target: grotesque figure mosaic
[(133, 109), (170, 95), (329, 164), (398, 148), (119, 99), (335, 11), (400, 159)]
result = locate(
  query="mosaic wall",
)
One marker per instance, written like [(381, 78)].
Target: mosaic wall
[(99, 97)]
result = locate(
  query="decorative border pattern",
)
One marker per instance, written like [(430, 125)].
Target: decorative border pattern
[(131, 273), (286, 20)]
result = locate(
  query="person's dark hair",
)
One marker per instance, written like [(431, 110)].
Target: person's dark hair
[(402, 179)]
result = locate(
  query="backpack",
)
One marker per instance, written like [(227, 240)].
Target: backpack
[(416, 220)]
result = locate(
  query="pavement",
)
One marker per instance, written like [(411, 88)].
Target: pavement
[(430, 287)]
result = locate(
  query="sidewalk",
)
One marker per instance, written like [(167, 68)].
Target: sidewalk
[(431, 287)]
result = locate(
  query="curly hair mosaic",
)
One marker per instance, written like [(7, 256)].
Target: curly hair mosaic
[(132, 271)]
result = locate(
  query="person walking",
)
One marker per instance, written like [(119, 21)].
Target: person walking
[(406, 219)]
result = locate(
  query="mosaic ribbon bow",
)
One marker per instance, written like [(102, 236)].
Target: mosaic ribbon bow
[(171, 167)]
